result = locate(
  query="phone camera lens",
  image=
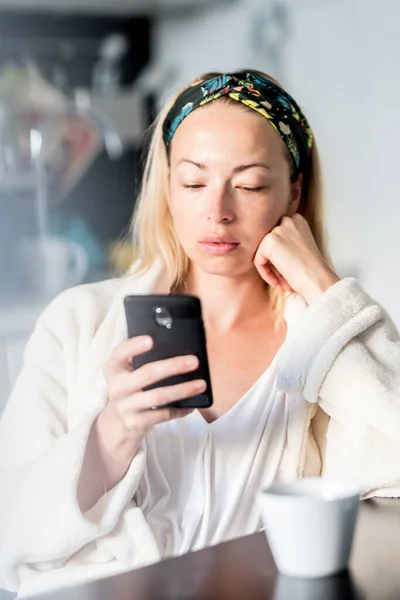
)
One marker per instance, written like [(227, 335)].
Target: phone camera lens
[(163, 317)]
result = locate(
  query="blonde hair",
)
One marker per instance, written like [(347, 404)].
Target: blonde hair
[(152, 228)]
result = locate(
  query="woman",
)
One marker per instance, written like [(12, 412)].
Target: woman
[(304, 366)]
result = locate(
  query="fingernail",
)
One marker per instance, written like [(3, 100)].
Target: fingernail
[(191, 361), (200, 385), (146, 342)]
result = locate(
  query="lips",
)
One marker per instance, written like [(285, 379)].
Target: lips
[(219, 240), (219, 245)]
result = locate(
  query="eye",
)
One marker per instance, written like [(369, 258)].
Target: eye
[(193, 186), (251, 189)]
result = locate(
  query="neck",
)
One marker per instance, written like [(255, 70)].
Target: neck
[(228, 301)]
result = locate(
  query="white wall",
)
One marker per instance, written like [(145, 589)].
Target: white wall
[(215, 40), (341, 63), (382, 125)]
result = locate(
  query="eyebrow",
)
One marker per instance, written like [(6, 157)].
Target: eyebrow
[(237, 169)]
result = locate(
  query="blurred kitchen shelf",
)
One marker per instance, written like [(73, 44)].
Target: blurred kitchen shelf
[(125, 7), (28, 182)]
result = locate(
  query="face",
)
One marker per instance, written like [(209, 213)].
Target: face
[(229, 186)]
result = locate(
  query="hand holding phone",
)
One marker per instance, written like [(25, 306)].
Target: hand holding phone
[(138, 408), (174, 322), (131, 413), (151, 379)]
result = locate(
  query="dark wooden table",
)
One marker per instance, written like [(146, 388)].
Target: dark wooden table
[(244, 570)]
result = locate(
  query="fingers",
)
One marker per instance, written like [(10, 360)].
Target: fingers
[(141, 411), (133, 408), (145, 421), (159, 370), (273, 277), (121, 357), (124, 385), (261, 257), (281, 281), (268, 253), (267, 273), (159, 397), (169, 414)]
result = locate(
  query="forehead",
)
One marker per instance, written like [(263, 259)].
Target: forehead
[(226, 130)]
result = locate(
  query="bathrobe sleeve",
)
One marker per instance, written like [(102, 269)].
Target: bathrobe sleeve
[(41, 524), (344, 353)]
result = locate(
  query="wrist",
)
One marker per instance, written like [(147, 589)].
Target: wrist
[(319, 284), (116, 448)]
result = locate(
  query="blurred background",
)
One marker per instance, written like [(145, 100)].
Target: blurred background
[(81, 80)]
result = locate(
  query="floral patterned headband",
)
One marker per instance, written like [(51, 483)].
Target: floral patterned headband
[(260, 94)]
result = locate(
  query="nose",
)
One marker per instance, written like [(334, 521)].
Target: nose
[(219, 205)]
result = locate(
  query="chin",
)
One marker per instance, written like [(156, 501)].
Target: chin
[(223, 266)]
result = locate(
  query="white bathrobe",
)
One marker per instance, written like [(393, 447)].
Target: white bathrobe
[(339, 369)]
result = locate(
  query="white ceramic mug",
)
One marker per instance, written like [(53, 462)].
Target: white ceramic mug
[(310, 525), (52, 264), (321, 588)]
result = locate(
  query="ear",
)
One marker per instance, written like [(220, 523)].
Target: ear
[(296, 188)]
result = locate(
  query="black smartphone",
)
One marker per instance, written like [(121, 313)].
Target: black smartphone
[(175, 323)]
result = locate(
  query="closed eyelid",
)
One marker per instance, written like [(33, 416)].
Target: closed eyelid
[(251, 184)]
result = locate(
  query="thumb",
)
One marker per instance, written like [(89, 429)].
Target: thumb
[(262, 256), (260, 260)]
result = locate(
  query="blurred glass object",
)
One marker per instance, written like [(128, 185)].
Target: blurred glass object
[(107, 71), (52, 264), (47, 143), (25, 98), (8, 141), (86, 125)]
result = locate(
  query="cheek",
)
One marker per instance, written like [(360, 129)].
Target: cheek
[(275, 206), (262, 215), (183, 217)]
